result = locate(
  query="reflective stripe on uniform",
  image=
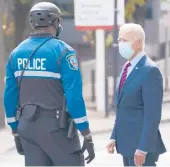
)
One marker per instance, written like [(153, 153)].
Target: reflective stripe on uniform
[(11, 119), (80, 120), (38, 74)]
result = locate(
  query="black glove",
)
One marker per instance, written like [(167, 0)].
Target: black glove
[(89, 146), (18, 144)]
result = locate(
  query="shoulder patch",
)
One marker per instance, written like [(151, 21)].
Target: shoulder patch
[(72, 61)]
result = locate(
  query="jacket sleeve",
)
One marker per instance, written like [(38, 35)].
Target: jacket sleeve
[(152, 92), (11, 96), (113, 135), (72, 83)]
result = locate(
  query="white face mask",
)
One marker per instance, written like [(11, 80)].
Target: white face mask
[(126, 50)]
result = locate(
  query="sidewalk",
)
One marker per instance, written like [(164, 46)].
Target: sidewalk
[(98, 125)]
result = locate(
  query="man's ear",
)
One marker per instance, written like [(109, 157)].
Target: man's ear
[(139, 44)]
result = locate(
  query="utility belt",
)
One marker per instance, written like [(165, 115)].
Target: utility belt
[(33, 112)]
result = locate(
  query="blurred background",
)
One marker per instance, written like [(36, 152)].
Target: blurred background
[(152, 15)]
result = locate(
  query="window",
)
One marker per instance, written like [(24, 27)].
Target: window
[(149, 10)]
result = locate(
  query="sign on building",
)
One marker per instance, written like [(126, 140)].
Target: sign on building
[(97, 14)]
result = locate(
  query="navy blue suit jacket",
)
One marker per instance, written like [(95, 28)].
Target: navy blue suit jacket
[(138, 110)]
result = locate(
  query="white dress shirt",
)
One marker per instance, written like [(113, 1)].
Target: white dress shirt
[(133, 63)]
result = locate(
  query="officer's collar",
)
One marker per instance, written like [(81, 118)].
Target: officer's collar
[(40, 34)]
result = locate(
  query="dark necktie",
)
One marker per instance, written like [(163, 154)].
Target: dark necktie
[(124, 76)]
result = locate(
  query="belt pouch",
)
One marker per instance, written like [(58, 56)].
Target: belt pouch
[(30, 112)]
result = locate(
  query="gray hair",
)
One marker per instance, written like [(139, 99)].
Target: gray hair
[(136, 29)]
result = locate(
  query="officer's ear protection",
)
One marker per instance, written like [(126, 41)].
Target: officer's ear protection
[(57, 25), (59, 30)]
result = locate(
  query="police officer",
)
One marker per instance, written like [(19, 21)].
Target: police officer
[(41, 73)]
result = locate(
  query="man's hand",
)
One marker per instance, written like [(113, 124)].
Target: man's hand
[(18, 144), (110, 147), (139, 158), (89, 146)]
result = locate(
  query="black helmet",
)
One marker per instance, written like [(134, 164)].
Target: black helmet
[(44, 14)]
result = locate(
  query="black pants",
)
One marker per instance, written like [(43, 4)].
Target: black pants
[(45, 145), (151, 160)]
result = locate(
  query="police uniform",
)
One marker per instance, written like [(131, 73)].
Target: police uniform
[(50, 76)]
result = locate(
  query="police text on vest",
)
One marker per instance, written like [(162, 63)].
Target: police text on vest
[(34, 64)]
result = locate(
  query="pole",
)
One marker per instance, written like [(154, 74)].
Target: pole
[(115, 48), (167, 59), (106, 98), (100, 71), (93, 85)]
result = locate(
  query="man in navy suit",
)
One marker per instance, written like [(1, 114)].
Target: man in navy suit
[(138, 100)]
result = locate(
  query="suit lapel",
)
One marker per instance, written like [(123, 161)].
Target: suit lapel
[(131, 76), (117, 89)]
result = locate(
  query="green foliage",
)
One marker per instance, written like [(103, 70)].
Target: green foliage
[(130, 8), (25, 1)]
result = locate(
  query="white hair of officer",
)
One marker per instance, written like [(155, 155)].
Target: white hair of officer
[(132, 33)]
